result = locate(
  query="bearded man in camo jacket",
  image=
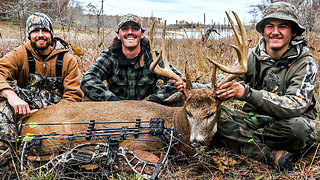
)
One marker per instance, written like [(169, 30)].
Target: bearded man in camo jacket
[(125, 68), (278, 118), (39, 73)]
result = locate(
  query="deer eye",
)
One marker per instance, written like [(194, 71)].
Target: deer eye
[(189, 114), (210, 115)]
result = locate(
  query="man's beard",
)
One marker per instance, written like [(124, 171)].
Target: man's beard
[(42, 47)]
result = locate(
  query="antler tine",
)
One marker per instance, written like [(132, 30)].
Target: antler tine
[(154, 67), (152, 48), (188, 84), (245, 42), (214, 78), (163, 46), (241, 49), (234, 27)]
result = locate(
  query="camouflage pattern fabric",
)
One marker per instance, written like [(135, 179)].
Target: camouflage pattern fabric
[(256, 135), (40, 92), (130, 18), (280, 10), (8, 127), (284, 87)]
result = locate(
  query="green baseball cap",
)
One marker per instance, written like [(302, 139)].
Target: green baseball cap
[(280, 10)]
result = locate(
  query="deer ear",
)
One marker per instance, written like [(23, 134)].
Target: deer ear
[(176, 97)]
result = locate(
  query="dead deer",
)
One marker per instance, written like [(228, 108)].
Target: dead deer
[(196, 120)]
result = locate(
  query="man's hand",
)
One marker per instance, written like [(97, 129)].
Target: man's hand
[(230, 89), (179, 84), (20, 106)]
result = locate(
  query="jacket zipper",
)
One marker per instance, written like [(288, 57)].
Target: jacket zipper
[(44, 65)]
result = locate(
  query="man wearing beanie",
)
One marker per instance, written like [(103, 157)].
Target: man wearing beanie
[(34, 75), (125, 67), (277, 121)]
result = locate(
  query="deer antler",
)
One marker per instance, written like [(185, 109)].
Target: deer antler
[(154, 67), (241, 49)]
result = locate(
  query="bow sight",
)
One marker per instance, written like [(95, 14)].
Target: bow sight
[(109, 150)]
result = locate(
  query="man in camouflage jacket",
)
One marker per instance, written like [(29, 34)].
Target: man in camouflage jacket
[(278, 118), (125, 68), (36, 74)]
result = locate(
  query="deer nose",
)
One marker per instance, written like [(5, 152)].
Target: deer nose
[(197, 144), (196, 137)]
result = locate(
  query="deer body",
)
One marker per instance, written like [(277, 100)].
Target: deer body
[(127, 110)]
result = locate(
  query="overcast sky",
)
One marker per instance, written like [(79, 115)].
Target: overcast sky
[(172, 10)]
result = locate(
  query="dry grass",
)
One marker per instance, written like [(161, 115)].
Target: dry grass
[(221, 164)]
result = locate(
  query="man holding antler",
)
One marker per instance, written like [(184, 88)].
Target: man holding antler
[(125, 67), (279, 114), (278, 119)]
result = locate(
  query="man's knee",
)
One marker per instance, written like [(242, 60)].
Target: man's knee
[(300, 131), (299, 126), (291, 134)]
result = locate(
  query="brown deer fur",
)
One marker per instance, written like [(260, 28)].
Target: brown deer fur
[(200, 103)]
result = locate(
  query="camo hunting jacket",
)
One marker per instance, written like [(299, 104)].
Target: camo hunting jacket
[(125, 81), (282, 88), (15, 67)]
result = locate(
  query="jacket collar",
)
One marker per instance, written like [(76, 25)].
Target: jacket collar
[(138, 61), (58, 44)]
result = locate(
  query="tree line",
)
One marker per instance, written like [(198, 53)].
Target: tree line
[(68, 13)]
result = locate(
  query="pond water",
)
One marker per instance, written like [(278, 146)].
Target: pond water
[(196, 34)]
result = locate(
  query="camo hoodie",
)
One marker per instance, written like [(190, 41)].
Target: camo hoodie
[(281, 88), (14, 67)]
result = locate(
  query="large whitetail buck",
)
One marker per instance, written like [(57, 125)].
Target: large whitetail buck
[(196, 120)]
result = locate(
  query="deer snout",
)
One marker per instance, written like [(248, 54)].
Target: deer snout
[(197, 144), (197, 138)]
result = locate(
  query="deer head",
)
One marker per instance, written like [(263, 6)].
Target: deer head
[(202, 108)]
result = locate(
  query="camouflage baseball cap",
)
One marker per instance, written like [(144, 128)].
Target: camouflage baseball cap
[(38, 20), (130, 18), (280, 10)]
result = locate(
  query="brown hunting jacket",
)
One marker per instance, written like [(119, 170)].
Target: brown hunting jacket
[(14, 66)]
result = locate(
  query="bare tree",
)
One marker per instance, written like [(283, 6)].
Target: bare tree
[(18, 12), (96, 12), (59, 12), (102, 12), (257, 10), (308, 12), (255, 13)]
